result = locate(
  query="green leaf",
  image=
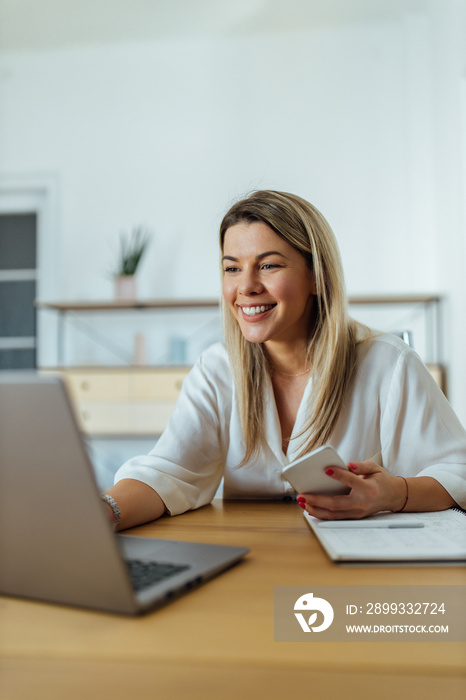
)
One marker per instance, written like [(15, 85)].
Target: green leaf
[(132, 249)]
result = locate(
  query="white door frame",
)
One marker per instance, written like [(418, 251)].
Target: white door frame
[(39, 194)]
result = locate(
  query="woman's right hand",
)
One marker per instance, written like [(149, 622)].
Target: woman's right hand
[(372, 489)]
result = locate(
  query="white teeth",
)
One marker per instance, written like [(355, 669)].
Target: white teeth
[(253, 310)]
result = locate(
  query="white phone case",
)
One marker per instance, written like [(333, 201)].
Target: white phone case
[(307, 474)]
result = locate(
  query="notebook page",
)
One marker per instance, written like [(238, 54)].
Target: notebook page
[(442, 538)]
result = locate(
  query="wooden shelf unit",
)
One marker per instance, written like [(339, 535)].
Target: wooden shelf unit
[(136, 401), (122, 401), (430, 302)]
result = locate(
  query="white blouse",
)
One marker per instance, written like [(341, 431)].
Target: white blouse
[(394, 408)]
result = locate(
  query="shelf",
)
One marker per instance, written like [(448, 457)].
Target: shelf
[(138, 400), (126, 304), (64, 309), (396, 299), (67, 309), (112, 402)]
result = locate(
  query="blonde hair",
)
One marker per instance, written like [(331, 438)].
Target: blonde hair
[(333, 336)]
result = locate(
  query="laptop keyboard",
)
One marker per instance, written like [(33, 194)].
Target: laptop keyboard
[(146, 573)]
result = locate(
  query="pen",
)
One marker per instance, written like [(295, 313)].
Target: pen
[(387, 524)]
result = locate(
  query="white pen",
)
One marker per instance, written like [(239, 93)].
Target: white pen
[(387, 524)]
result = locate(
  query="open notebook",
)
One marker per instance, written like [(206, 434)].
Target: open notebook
[(395, 537)]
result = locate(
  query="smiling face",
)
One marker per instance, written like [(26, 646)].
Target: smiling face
[(267, 285)]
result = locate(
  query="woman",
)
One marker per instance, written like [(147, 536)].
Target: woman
[(295, 373)]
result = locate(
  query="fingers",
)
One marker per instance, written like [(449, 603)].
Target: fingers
[(336, 515), (364, 468), (324, 502), (348, 477), (345, 477), (331, 502), (319, 511), (332, 507), (358, 503)]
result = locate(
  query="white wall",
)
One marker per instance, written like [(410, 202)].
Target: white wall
[(363, 120), (448, 71)]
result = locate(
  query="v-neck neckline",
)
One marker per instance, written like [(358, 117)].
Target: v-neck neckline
[(272, 423)]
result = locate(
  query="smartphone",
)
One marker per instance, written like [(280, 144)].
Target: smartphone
[(307, 474)]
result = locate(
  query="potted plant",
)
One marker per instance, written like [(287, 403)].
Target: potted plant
[(132, 249)]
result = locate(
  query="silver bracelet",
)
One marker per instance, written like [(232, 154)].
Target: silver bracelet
[(114, 506)]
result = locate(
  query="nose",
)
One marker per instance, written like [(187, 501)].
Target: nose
[(249, 283)]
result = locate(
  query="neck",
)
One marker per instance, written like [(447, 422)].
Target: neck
[(291, 362), (291, 374)]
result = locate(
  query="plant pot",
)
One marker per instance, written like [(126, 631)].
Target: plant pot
[(125, 287)]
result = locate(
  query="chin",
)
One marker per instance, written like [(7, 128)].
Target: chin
[(254, 337)]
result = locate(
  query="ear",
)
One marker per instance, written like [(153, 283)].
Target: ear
[(313, 284)]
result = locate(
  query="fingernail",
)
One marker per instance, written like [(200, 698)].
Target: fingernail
[(301, 499), (352, 466), (329, 472), (301, 505)]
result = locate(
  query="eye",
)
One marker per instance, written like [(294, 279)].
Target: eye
[(270, 266), (230, 269)]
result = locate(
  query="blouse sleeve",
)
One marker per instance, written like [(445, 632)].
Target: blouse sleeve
[(186, 465), (421, 434)]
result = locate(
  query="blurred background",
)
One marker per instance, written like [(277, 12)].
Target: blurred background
[(160, 113)]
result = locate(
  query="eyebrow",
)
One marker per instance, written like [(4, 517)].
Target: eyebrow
[(259, 257)]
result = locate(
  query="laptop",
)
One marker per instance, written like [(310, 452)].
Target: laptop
[(56, 542)]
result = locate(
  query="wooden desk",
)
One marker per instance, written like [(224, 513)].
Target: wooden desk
[(217, 642)]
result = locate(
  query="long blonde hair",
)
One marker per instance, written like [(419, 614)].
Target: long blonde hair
[(332, 339)]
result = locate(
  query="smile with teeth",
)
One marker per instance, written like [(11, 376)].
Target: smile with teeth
[(254, 310)]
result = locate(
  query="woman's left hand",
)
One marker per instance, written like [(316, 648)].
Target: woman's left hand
[(372, 489)]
